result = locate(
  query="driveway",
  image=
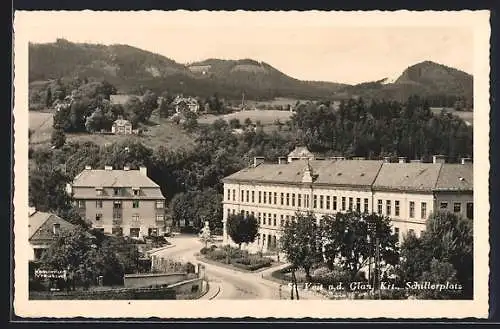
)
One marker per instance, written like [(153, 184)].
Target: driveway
[(233, 284)]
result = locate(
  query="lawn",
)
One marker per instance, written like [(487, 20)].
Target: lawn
[(159, 132), (233, 257), (466, 116), (266, 117)]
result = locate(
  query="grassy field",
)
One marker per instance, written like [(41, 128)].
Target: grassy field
[(160, 132), (466, 116), (266, 117)]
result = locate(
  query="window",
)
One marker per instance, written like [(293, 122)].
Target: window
[(299, 200), (396, 232), (275, 198), (388, 207), (423, 210), (306, 197), (56, 227), (117, 205), (136, 191), (98, 191), (358, 204), (269, 219), (134, 232), (38, 253), (412, 209), (269, 200), (315, 201), (457, 206), (252, 213), (248, 196), (264, 218), (443, 205), (396, 207), (263, 239), (159, 204), (135, 204), (265, 197), (253, 196), (282, 222), (117, 231), (274, 219), (470, 210), (282, 198), (159, 218), (234, 195), (98, 203), (98, 217), (343, 203), (327, 202), (365, 206), (260, 197), (234, 211), (228, 194), (350, 203), (81, 204), (228, 213), (242, 196), (321, 200), (379, 207), (287, 219), (334, 206), (246, 213), (288, 199), (293, 199), (260, 219), (116, 191), (152, 231), (135, 218)]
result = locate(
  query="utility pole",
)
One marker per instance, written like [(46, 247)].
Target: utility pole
[(377, 252)]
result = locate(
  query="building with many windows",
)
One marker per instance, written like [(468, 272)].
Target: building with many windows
[(125, 202), (405, 192)]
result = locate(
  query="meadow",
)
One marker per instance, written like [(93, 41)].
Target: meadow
[(266, 117)]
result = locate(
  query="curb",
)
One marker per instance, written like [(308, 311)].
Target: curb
[(208, 290), (152, 251)]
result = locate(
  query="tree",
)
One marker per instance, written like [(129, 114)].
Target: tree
[(190, 121), (242, 229), (349, 240), (234, 123), (248, 122), (448, 239), (301, 242), (48, 98), (150, 103), (58, 138), (134, 110)]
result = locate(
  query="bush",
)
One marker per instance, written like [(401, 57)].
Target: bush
[(216, 254), (205, 251)]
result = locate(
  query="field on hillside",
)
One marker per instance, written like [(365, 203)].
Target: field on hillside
[(165, 133), (266, 117), (466, 116)]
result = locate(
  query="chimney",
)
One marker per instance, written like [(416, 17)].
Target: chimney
[(88, 167), (282, 160), (466, 161), (438, 158), (402, 159), (257, 161), (126, 168), (108, 167), (143, 170), (416, 161), (387, 159)]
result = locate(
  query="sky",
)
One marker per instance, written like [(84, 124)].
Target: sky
[(308, 46)]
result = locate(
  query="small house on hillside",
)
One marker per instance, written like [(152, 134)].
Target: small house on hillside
[(182, 104), (43, 229), (121, 127)]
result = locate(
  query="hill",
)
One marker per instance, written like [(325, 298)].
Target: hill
[(132, 70), (440, 84)]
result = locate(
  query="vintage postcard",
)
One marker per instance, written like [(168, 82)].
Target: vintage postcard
[(264, 164)]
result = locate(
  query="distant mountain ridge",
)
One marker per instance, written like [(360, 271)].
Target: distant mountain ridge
[(132, 70)]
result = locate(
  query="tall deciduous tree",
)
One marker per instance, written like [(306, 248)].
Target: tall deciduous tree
[(301, 242), (242, 229), (448, 239), (349, 241)]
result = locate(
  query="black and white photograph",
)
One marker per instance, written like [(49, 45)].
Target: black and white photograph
[(309, 161)]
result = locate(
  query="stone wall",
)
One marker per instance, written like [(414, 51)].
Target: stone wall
[(152, 279)]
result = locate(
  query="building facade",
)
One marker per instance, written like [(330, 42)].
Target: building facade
[(121, 126), (123, 202), (406, 192)]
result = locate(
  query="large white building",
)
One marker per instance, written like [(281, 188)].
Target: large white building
[(406, 192)]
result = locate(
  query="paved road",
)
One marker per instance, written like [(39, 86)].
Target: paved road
[(233, 284)]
